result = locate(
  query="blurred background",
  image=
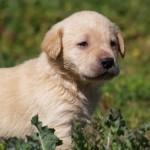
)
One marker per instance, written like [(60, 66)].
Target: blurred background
[(23, 24)]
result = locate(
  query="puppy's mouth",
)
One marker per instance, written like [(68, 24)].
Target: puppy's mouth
[(106, 75)]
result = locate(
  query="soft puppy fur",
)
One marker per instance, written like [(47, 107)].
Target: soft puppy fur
[(78, 54)]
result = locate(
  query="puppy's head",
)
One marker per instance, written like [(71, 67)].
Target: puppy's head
[(88, 44)]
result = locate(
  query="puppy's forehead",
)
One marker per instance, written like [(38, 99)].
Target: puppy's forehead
[(86, 19)]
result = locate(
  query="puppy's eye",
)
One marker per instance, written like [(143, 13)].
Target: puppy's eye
[(113, 43), (82, 44)]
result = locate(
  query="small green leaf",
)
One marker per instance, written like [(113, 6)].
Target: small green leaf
[(46, 136)]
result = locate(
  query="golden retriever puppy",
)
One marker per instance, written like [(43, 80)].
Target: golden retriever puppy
[(78, 54)]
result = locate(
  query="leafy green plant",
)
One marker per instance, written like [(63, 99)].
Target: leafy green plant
[(43, 139), (103, 133), (110, 133)]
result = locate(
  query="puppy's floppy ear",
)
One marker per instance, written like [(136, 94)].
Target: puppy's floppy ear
[(120, 40), (52, 42), (120, 43)]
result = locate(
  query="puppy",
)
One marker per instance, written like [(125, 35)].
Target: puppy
[(78, 54)]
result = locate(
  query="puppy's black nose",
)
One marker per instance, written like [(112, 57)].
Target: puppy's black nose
[(107, 63)]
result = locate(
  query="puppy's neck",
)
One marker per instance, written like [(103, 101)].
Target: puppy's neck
[(89, 89)]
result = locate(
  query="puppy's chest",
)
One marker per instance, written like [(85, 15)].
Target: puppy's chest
[(74, 100), (69, 100), (63, 101)]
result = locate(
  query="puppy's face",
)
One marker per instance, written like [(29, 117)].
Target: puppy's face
[(88, 43)]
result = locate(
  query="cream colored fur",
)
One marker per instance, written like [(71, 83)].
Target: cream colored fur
[(52, 85)]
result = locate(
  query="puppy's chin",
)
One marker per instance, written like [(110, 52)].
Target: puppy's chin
[(101, 77), (106, 75)]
